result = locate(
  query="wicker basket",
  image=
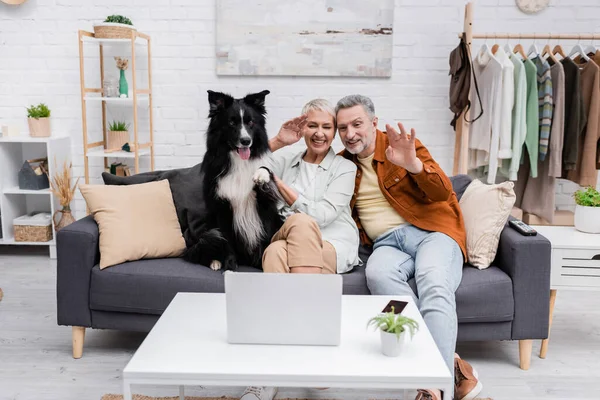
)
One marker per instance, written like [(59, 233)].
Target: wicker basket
[(33, 228), (116, 139), (111, 30)]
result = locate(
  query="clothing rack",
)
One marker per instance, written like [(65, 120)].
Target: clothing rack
[(461, 143)]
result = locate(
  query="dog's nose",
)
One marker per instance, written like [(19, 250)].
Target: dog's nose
[(245, 141)]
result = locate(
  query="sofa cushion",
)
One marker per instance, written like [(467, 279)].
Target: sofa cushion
[(460, 184), (135, 222), (483, 295), (148, 286), (485, 210)]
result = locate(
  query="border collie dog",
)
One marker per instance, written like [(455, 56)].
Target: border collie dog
[(241, 197)]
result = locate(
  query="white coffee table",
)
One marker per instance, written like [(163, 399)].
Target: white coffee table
[(188, 347), (575, 264)]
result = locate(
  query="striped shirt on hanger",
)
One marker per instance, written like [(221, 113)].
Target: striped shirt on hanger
[(544, 79)]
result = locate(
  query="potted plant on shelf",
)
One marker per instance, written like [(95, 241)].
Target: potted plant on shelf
[(60, 186), (38, 119), (393, 328), (114, 27), (587, 210), (118, 135)]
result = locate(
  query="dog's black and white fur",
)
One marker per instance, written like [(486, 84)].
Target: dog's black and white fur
[(241, 197)]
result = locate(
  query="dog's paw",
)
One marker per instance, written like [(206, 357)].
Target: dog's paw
[(215, 265), (261, 176)]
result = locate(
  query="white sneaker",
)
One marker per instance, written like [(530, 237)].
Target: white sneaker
[(259, 393)]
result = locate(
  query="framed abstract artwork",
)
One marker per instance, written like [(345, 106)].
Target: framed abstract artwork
[(305, 38)]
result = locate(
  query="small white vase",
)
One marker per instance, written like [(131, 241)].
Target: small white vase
[(587, 219), (391, 345)]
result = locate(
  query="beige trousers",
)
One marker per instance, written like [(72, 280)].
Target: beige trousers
[(299, 244)]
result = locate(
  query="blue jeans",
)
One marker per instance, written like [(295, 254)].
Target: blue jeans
[(435, 261)]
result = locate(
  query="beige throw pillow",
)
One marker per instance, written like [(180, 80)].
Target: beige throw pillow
[(135, 221), (485, 211)]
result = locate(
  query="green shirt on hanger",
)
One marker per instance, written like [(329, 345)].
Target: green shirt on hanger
[(532, 139)]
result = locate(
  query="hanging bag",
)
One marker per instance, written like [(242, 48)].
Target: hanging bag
[(461, 70)]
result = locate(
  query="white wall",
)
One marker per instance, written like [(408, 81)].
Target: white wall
[(39, 62)]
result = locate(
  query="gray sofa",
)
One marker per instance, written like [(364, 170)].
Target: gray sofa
[(507, 301)]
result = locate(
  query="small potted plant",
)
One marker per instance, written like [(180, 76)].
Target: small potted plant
[(393, 328), (38, 119), (587, 210), (114, 27), (118, 135)]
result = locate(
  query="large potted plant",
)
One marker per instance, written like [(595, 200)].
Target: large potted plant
[(587, 210), (38, 119), (393, 328), (114, 27)]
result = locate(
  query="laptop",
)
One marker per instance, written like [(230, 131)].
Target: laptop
[(283, 309)]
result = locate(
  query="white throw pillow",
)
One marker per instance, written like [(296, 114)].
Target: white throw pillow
[(485, 211)]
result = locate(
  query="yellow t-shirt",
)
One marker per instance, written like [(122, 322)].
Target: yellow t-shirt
[(376, 215)]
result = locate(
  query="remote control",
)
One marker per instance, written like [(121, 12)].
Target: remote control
[(522, 228)]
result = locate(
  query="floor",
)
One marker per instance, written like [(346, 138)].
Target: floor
[(36, 362)]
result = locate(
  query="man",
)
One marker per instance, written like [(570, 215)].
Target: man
[(404, 206)]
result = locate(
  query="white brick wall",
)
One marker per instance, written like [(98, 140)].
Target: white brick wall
[(39, 62)]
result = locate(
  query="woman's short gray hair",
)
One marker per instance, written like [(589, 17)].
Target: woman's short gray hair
[(319, 105), (356, 100)]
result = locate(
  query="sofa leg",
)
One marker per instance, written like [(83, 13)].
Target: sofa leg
[(544, 348), (525, 348), (78, 336)]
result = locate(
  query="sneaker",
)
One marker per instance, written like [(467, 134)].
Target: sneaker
[(259, 393), (466, 383)]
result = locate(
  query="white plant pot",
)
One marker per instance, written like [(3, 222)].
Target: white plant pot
[(587, 219), (391, 345)]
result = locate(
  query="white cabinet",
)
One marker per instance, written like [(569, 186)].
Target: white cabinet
[(575, 257), (15, 202)]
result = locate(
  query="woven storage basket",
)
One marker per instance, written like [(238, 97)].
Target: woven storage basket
[(116, 139), (33, 228), (109, 30)]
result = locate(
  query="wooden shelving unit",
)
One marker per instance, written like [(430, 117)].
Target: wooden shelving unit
[(139, 96)]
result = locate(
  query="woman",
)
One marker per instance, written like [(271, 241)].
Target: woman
[(319, 234)]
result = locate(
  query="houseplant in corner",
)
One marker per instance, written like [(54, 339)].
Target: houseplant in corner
[(114, 27), (393, 328), (38, 119), (118, 135), (587, 210)]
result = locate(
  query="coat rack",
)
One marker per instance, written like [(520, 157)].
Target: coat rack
[(461, 143)]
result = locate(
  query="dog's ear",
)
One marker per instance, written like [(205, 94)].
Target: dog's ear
[(218, 100), (256, 99)]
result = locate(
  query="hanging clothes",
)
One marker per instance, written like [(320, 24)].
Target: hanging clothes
[(544, 80), (539, 194), (575, 116), (485, 131), (506, 104), (533, 125), (585, 173), (510, 167), (557, 131)]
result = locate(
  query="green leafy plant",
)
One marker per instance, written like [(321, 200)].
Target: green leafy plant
[(118, 126), (589, 197), (394, 323), (118, 19), (39, 111)]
